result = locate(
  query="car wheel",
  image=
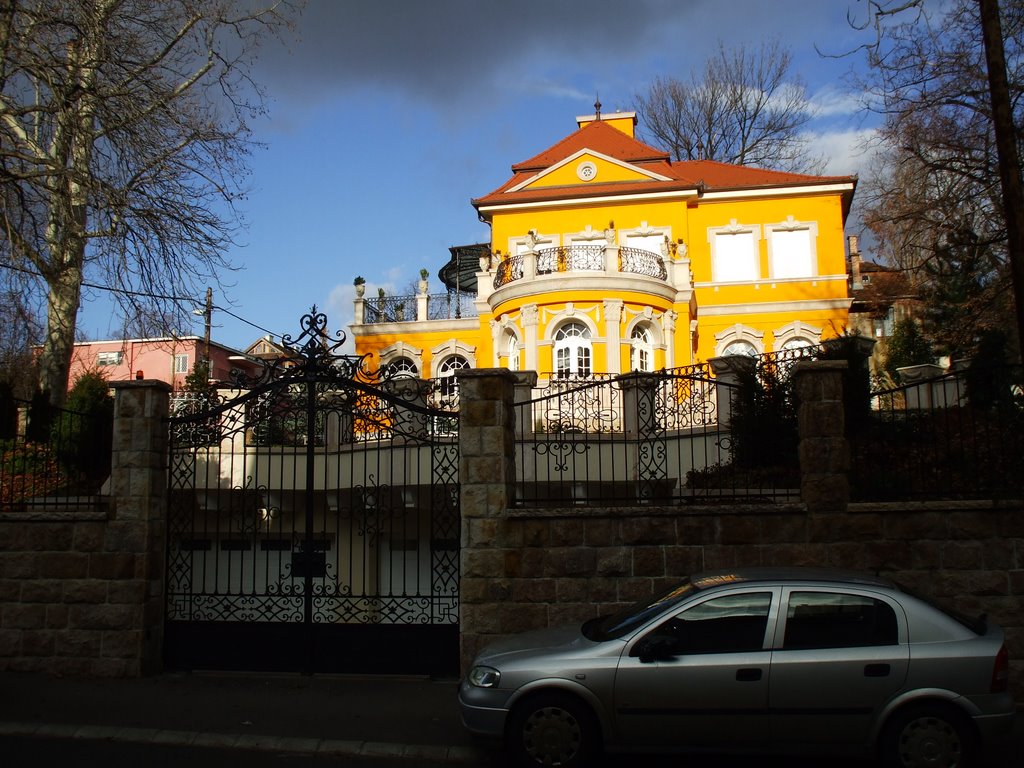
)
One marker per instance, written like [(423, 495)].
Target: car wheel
[(552, 729), (928, 737)]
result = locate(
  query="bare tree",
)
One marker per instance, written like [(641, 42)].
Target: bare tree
[(935, 201), (744, 107), (123, 141)]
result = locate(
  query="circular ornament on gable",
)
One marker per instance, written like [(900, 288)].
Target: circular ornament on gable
[(586, 170)]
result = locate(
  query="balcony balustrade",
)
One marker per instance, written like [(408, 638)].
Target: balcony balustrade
[(581, 258), (405, 309)]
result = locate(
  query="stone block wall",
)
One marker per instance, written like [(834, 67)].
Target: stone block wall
[(539, 568), (81, 588)]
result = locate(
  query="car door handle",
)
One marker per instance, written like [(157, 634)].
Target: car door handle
[(877, 670), (749, 675)]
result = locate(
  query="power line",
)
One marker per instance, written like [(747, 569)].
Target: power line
[(148, 295)]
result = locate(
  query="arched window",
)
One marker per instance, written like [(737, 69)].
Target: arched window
[(448, 386), (403, 366), (573, 354), (740, 347), (641, 351), (512, 351)]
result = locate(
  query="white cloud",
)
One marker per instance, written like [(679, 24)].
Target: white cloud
[(832, 102), (846, 152)]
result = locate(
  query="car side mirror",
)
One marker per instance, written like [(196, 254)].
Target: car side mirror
[(655, 648)]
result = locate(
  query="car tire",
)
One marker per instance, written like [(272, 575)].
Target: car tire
[(552, 729), (928, 736)]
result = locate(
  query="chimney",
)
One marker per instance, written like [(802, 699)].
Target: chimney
[(855, 281)]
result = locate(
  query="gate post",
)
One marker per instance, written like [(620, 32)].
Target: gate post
[(824, 450), (487, 484), (135, 536)]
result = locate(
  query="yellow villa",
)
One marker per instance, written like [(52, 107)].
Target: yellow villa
[(607, 257)]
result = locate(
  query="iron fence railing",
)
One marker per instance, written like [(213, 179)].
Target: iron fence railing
[(647, 438), (640, 262), (451, 306), (389, 309), (52, 457), (955, 436), (402, 309)]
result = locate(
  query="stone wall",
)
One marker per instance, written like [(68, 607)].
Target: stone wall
[(524, 569), (81, 588)]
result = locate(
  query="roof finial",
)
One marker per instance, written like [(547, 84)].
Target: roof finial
[(597, 105)]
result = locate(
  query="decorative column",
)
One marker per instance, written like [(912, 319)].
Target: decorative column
[(613, 341), (668, 330), (530, 322)]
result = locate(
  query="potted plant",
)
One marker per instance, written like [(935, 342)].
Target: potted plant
[(360, 284), (423, 280)]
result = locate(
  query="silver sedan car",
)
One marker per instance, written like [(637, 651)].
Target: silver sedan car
[(752, 660)]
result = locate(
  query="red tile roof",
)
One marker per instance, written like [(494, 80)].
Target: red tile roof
[(600, 137)]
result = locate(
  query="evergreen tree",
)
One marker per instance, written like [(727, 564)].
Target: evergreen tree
[(907, 346)]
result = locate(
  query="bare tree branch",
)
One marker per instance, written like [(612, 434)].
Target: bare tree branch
[(123, 144), (743, 107)]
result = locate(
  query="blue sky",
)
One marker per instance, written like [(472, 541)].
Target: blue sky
[(387, 116)]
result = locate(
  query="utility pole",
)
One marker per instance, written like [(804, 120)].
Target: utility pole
[(1009, 159), (208, 317)]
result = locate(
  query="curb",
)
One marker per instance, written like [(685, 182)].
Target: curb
[(282, 744)]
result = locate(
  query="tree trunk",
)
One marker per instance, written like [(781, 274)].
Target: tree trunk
[(1009, 160), (61, 311)]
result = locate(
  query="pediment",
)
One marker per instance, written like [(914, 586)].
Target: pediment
[(587, 167)]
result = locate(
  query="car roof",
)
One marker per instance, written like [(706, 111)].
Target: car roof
[(779, 574)]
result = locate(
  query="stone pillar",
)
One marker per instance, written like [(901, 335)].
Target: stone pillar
[(824, 450), (529, 264), (524, 385), (487, 484), (135, 536), (728, 371)]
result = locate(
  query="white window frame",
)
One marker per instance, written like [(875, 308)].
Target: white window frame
[(181, 362), (398, 350), (779, 266), (512, 355), (647, 236), (723, 268), (739, 334), (107, 359), (401, 367), (797, 331), (573, 348), (641, 348)]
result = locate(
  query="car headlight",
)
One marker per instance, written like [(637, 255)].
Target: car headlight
[(484, 677)]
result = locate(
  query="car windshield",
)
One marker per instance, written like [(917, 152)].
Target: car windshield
[(616, 625)]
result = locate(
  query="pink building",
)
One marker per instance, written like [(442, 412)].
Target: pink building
[(166, 359)]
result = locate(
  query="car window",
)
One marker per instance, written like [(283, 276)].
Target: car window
[(838, 620), (726, 624)]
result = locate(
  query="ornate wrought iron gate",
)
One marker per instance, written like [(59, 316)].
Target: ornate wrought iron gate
[(313, 519)]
